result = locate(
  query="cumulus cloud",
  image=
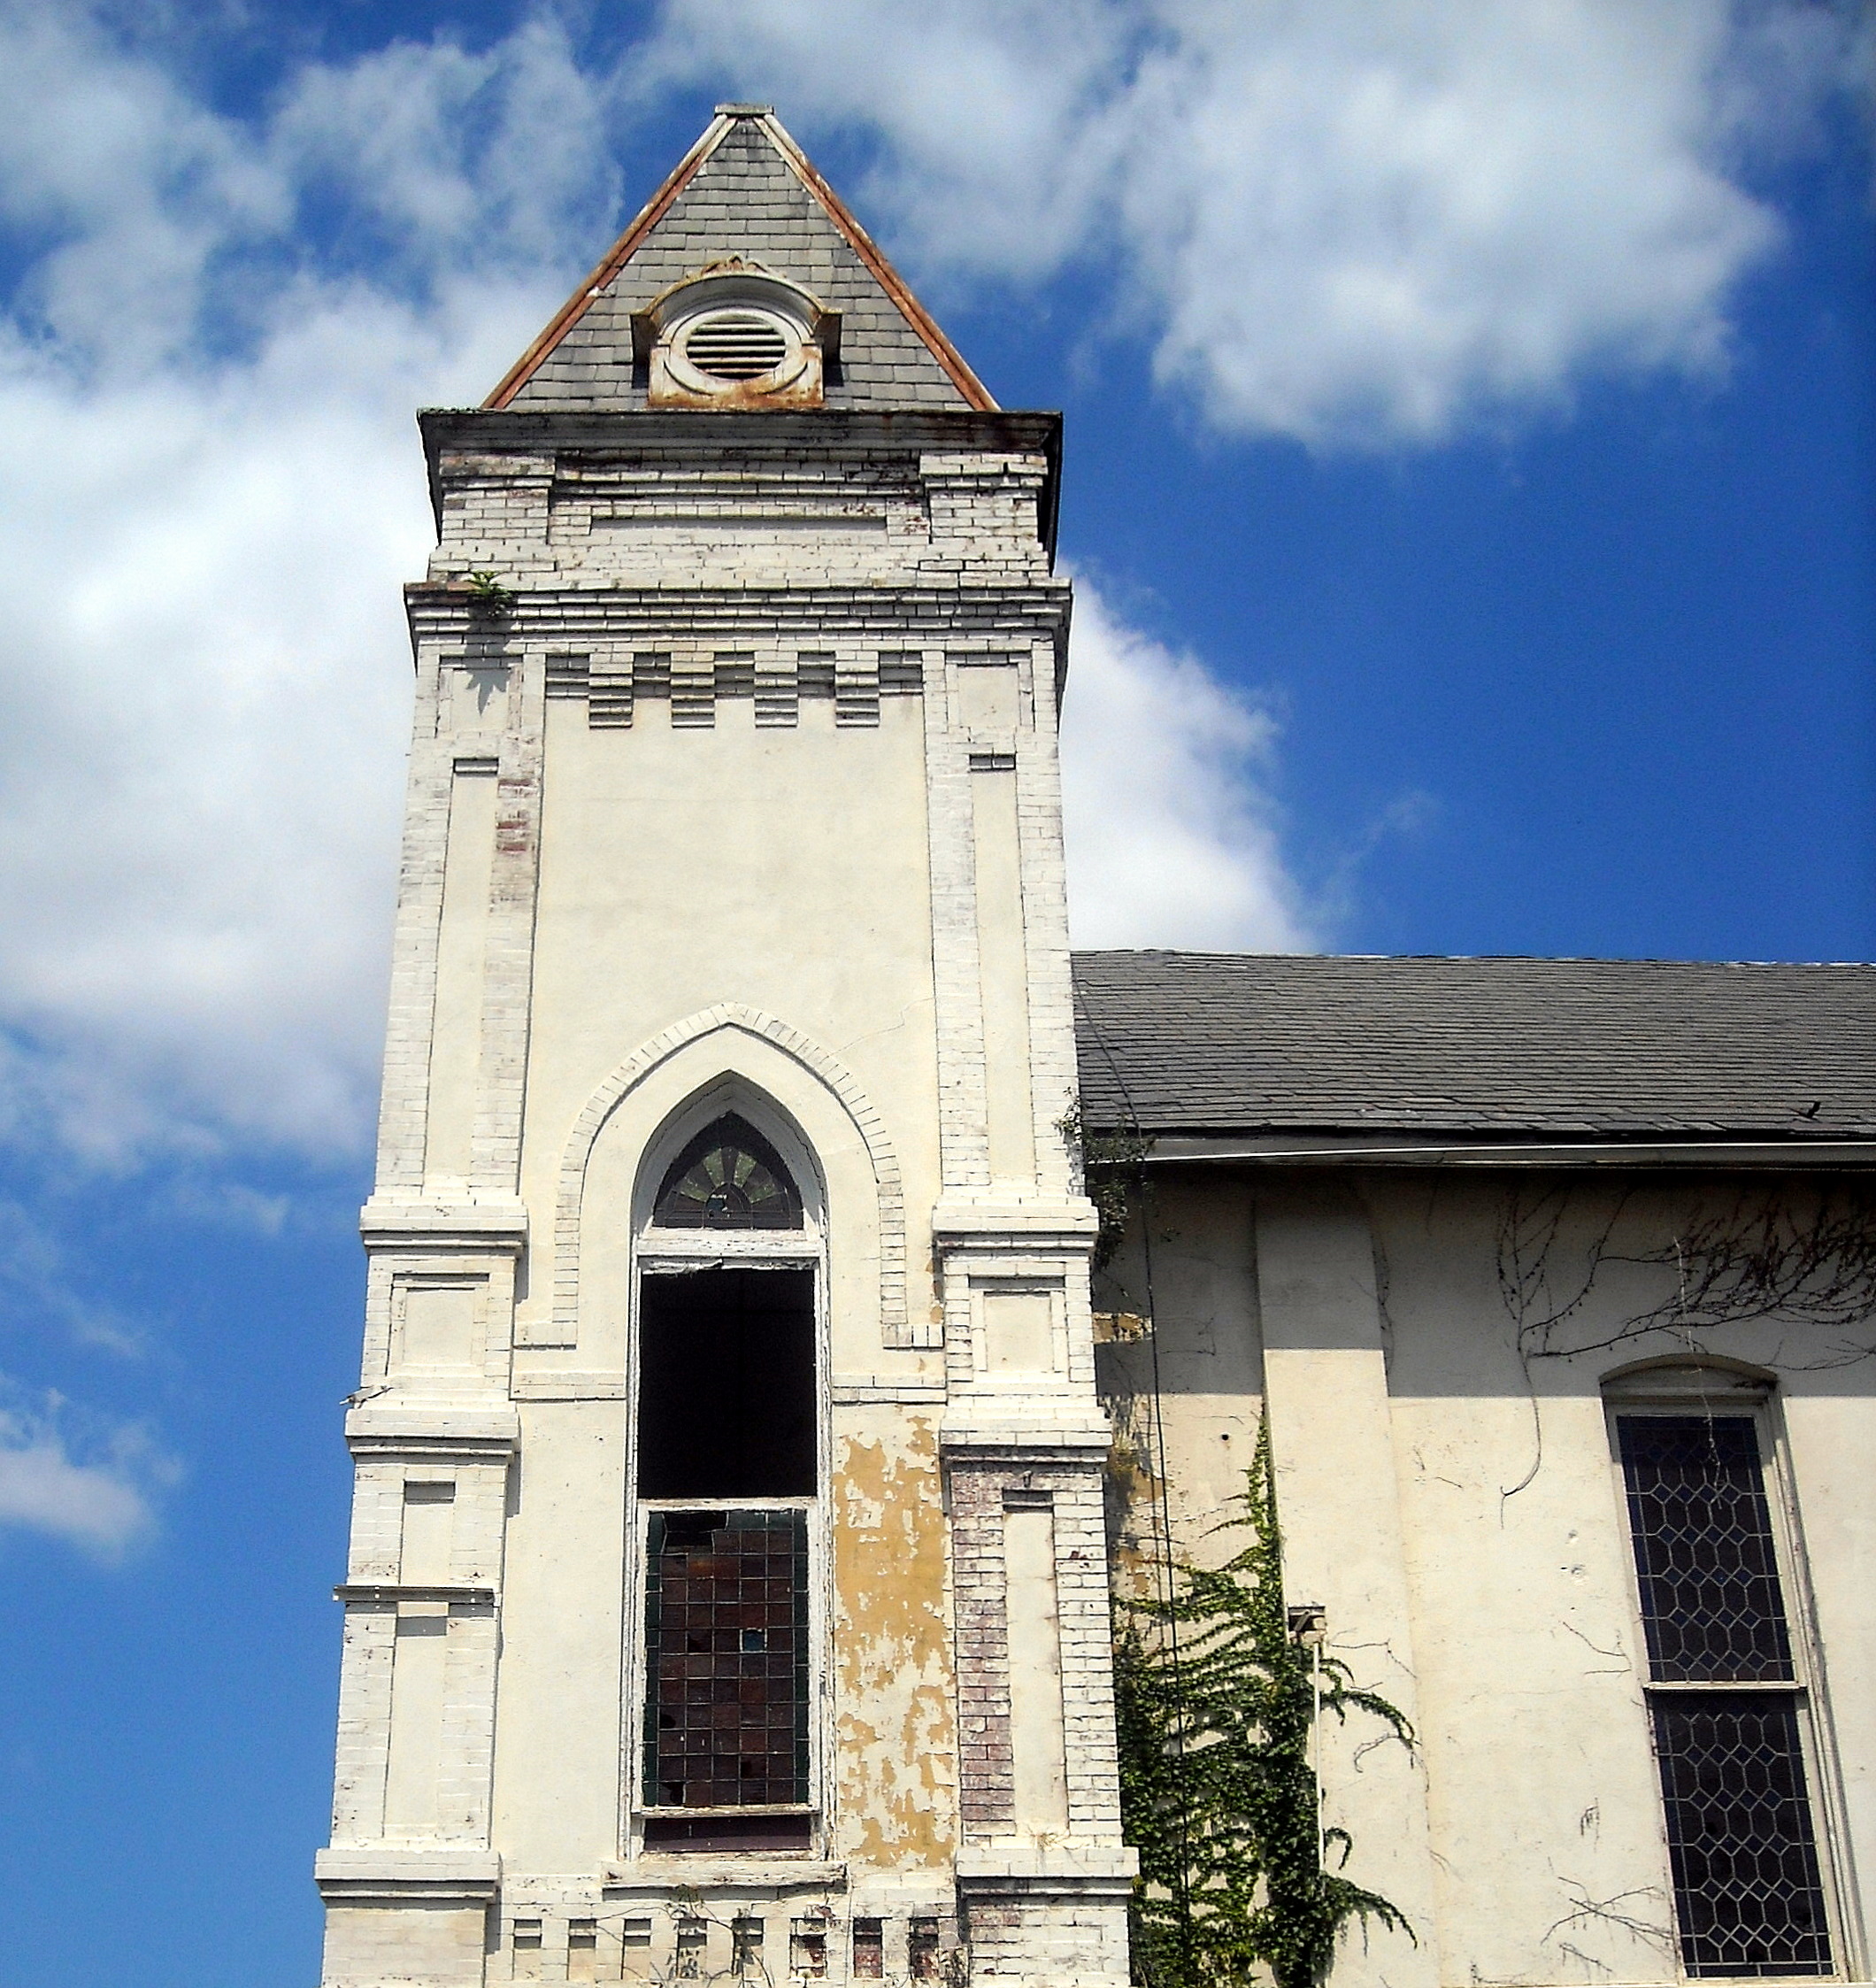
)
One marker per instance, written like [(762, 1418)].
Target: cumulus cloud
[(1171, 830), (1357, 223), (205, 698), (1347, 223), (99, 1500)]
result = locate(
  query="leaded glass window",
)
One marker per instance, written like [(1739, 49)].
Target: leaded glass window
[(729, 1176), (726, 1660), (1749, 1892), (1704, 1555)]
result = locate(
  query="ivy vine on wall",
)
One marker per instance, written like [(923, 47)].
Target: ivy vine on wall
[(1216, 1702)]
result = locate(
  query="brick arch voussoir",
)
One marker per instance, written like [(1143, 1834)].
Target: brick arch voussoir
[(659, 1050)]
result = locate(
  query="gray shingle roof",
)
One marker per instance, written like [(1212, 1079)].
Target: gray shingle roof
[(744, 199), (1188, 1042)]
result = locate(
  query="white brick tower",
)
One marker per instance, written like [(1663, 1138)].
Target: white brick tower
[(727, 1588)]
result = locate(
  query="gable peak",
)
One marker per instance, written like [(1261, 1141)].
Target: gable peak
[(744, 201)]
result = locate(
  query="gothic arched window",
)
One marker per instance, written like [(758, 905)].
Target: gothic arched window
[(729, 1176)]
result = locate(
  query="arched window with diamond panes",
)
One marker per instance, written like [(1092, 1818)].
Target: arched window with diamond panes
[(729, 1176)]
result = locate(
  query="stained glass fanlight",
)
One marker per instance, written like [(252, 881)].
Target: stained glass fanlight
[(729, 1176)]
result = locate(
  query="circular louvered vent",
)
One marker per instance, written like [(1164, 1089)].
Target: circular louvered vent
[(735, 345)]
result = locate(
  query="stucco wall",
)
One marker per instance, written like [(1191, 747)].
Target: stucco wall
[(1484, 1580)]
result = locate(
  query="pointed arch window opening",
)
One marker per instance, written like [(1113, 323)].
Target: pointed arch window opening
[(729, 1178), (728, 1459)]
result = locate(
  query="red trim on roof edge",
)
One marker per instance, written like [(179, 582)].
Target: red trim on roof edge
[(569, 313), (888, 278)]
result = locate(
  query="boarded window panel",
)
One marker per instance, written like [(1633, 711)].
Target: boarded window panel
[(1704, 1554), (727, 1384), (725, 1659), (1748, 1896)]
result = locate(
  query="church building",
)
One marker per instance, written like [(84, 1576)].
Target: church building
[(803, 1294)]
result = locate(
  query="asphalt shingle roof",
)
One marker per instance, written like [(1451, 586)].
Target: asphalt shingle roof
[(1213, 1042)]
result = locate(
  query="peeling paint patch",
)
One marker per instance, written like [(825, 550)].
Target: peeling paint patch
[(896, 1739)]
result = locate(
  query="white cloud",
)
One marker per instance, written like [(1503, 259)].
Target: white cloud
[(204, 700), (101, 1503), (1354, 222), (1171, 835)]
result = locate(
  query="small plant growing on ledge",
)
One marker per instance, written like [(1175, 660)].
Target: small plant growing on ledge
[(1110, 1164), (1215, 1702), (487, 590)]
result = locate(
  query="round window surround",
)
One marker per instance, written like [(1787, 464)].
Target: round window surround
[(736, 352), (735, 335)]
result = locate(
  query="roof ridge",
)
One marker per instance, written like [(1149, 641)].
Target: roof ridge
[(727, 117)]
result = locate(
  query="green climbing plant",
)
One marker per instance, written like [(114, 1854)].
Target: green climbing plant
[(1215, 1705), (1110, 1168)]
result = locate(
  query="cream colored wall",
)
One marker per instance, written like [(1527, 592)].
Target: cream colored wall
[(784, 871), (1209, 1369), (1541, 1802)]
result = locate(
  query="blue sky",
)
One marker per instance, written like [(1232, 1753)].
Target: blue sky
[(1469, 449)]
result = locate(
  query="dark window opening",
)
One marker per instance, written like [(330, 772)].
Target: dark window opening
[(808, 1949), (869, 1950), (1748, 1893), (726, 1666), (726, 1386), (705, 1835), (745, 1955), (729, 1176), (922, 1949)]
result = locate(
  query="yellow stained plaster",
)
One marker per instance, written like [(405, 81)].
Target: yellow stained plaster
[(892, 1657)]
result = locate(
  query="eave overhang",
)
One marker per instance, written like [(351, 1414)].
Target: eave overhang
[(1744, 1152)]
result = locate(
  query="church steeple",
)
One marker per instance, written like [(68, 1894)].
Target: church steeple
[(746, 194), (725, 1593)]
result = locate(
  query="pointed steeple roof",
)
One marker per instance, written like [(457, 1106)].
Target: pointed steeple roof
[(744, 189)]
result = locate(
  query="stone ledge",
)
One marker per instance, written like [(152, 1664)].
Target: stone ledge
[(565, 1383), (479, 1592), (851, 1390), (385, 1874), (1030, 1866), (499, 1223), (465, 1428), (990, 1436), (990, 1223), (751, 1873)]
